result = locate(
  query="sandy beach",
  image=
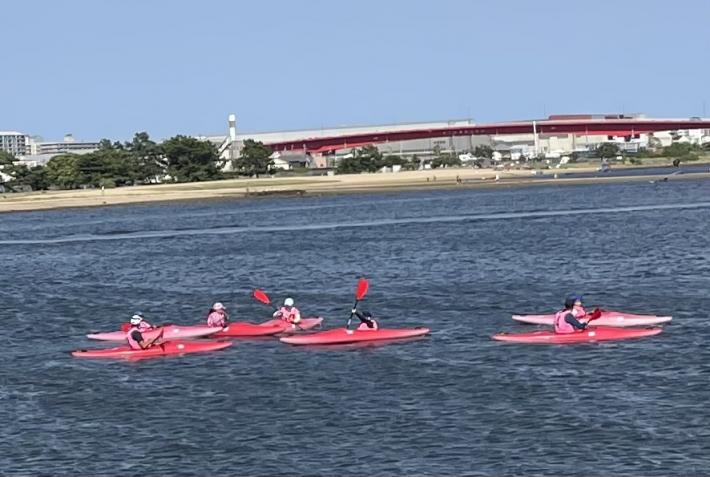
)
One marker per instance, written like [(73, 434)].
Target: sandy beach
[(297, 186)]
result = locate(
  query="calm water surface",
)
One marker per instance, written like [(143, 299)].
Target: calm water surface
[(459, 262)]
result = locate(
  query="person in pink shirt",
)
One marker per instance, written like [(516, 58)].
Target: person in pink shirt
[(134, 336), (217, 316), (288, 312)]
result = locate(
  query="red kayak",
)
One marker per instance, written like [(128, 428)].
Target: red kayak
[(342, 336), (268, 328), (164, 349), (592, 334), (169, 332)]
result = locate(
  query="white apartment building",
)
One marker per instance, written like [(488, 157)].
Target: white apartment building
[(16, 143)]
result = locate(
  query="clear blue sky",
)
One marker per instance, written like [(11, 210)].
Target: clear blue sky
[(100, 68)]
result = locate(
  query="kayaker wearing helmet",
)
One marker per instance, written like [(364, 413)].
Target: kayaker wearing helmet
[(217, 316), (288, 312), (367, 321), (134, 336), (143, 325), (566, 320)]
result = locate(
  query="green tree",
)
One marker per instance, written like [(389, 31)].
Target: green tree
[(413, 163), (7, 159), (392, 160), (483, 151), (366, 159), (63, 171), (7, 167), (35, 178), (254, 159), (607, 150), (446, 160), (147, 158), (190, 160), (679, 149)]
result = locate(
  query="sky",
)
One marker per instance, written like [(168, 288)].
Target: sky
[(108, 69)]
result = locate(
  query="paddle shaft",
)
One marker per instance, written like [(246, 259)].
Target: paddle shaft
[(347, 327)]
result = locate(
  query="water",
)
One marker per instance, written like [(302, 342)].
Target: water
[(460, 262)]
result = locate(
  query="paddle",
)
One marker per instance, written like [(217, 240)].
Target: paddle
[(597, 313), (362, 286), (260, 295), (152, 342)]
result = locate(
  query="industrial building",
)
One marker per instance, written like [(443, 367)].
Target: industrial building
[(552, 137)]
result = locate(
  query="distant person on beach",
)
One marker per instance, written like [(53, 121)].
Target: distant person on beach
[(288, 312), (217, 316), (367, 321), (676, 162)]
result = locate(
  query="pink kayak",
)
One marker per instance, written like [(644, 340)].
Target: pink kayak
[(342, 336), (164, 349), (592, 334), (170, 332), (268, 328), (609, 318)]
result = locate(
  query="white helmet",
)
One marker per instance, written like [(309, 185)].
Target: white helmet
[(218, 306), (288, 302), (137, 318)]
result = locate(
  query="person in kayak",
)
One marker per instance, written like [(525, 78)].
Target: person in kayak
[(134, 336), (367, 321), (217, 316), (288, 312), (566, 320)]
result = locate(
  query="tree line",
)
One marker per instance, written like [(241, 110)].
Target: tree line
[(370, 159), (140, 161), (679, 150)]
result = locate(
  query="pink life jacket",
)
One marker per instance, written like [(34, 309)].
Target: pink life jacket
[(131, 342), (290, 316), (561, 325), (144, 326), (216, 319), (364, 327), (579, 312)]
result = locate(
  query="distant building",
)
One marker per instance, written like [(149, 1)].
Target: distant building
[(68, 146), (289, 161), (16, 143)]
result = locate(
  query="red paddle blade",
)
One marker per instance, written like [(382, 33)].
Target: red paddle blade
[(362, 286), (597, 313), (262, 297), (125, 326)]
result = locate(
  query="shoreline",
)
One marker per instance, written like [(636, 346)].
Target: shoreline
[(440, 179)]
